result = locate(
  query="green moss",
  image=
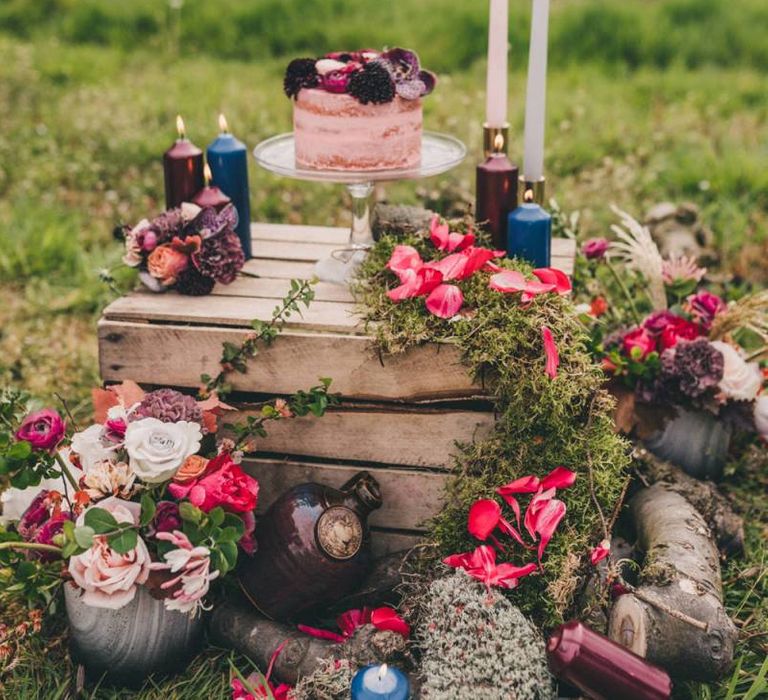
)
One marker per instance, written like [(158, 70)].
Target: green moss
[(541, 423)]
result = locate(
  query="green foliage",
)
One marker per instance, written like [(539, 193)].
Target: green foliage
[(541, 423)]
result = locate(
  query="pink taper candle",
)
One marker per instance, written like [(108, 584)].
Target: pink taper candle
[(496, 79)]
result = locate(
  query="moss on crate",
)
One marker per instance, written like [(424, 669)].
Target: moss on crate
[(541, 423)]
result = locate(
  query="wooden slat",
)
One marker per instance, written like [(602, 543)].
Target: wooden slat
[(564, 254), (290, 233), (409, 497), (280, 269), (276, 289), (412, 436), (231, 311), (173, 355), (306, 252)]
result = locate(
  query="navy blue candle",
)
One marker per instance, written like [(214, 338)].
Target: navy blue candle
[(228, 159), (529, 234), (380, 683)]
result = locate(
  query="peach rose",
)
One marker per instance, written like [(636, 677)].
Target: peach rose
[(193, 466), (166, 264)]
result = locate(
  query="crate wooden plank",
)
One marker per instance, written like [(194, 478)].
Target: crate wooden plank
[(293, 250), (287, 233), (276, 289), (231, 311), (280, 269), (409, 497), (408, 435), (174, 355), (563, 254)]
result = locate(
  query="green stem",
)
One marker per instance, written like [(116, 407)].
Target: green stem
[(65, 471), (625, 291), (31, 545)]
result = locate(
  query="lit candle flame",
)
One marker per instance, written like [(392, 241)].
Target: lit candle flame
[(528, 195), (382, 671), (498, 143), (223, 126), (207, 174), (180, 127)]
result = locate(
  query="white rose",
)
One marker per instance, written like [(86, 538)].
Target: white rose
[(90, 447), (741, 379), (761, 416), (157, 450)]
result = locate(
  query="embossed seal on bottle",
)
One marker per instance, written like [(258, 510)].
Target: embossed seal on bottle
[(339, 532)]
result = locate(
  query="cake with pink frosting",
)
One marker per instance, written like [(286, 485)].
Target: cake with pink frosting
[(359, 110)]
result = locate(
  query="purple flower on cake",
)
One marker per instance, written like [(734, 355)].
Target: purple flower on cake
[(411, 82)]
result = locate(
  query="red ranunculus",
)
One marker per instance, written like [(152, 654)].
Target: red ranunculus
[(44, 430), (681, 329), (224, 484), (639, 338)]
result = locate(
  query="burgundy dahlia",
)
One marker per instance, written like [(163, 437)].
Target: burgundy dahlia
[(692, 368), (221, 257), (169, 406), (193, 284)]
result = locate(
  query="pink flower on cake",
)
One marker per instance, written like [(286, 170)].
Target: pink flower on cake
[(192, 566), (43, 430), (109, 579), (443, 239)]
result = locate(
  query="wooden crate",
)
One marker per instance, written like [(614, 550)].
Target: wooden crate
[(399, 417)]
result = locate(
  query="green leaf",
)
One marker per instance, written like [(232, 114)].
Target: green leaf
[(189, 512), (26, 569), (84, 536), (123, 542), (229, 551), (148, 509), (216, 516), (229, 534), (102, 521), (19, 450), (69, 549), (233, 521)]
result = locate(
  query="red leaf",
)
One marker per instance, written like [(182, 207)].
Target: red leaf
[(385, 618), (445, 300), (558, 478), (551, 275), (550, 351), (484, 516)]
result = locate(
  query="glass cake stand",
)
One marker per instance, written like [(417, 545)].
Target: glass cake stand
[(439, 153)]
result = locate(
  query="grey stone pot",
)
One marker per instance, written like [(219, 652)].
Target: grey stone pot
[(695, 441), (127, 645)]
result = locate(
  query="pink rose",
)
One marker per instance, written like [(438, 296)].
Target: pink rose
[(595, 248), (109, 579), (223, 484), (639, 338), (44, 430)]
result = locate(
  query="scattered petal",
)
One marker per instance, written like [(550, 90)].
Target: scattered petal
[(386, 618), (600, 552), (551, 275), (550, 351), (558, 478), (445, 301), (416, 283), (403, 258), (509, 281), (484, 516)]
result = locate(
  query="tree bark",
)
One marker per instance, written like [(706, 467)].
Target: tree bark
[(236, 625), (704, 496), (675, 618), (399, 219)]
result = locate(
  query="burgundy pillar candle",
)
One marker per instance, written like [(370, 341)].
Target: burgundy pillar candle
[(496, 193), (603, 669), (210, 195), (183, 169)]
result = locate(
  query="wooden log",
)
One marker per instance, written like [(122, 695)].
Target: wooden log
[(235, 624), (704, 496), (675, 618)]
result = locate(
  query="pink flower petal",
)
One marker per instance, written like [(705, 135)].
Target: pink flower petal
[(476, 258), (386, 618), (547, 521), (483, 518), (322, 634), (559, 478), (403, 258), (438, 233), (537, 503), (452, 266), (350, 620), (508, 575), (445, 301), (417, 283), (600, 552), (507, 528), (525, 484), (459, 561), (509, 281), (550, 351), (551, 275)]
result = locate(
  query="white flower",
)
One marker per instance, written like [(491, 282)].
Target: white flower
[(109, 479), (761, 416), (90, 447), (189, 211), (741, 379), (157, 450), (132, 256)]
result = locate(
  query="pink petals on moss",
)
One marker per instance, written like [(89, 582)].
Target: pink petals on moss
[(481, 565), (443, 239), (445, 301), (550, 352)]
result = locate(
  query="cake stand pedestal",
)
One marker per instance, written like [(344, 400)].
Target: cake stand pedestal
[(439, 153)]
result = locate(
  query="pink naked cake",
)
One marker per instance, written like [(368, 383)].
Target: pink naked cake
[(359, 110)]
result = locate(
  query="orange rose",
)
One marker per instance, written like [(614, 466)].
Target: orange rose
[(193, 466), (166, 264)]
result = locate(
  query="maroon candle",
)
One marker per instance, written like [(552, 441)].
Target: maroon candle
[(603, 669), (496, 193), (183, 169), (210, 196)]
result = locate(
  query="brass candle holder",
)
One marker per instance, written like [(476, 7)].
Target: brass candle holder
[(536, 188), (491, 141)]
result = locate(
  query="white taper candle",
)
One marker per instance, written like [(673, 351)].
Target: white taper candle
[(536, 95), (496, 79)]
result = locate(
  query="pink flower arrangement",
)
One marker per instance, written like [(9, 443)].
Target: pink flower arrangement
[(44, 430)]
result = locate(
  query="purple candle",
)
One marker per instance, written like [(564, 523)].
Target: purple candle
[(603, 669), (210, 195), (183, 169), (496, 193)]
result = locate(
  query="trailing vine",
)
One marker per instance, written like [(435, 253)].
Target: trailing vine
[(541, 422)]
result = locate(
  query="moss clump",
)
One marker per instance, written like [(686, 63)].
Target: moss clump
[(478, 646), (541, 422)]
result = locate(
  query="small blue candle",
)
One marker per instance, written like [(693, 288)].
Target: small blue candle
[(380, 683), (529, 234), (228, 159)]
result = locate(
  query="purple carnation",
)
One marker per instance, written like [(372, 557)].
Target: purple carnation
[(167, 225), (220, 257), (691, 368), (169, 406)]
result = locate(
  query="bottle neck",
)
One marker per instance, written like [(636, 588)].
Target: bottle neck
[(362, 493)]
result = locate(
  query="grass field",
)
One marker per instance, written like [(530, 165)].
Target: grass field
[(648, 101)]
